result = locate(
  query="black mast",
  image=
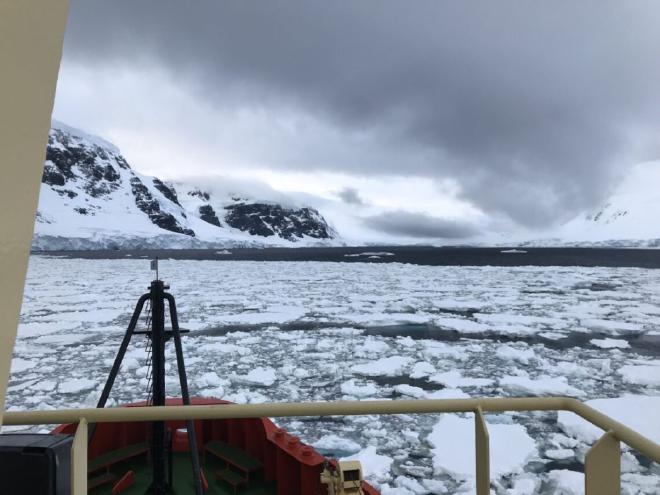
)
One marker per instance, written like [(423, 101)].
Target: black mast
[(158, 336)]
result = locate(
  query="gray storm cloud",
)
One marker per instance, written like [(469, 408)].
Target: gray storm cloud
[(419, 225), (351, 196), (534, 108)]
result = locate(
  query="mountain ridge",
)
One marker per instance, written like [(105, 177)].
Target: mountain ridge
[(91, 198), (628, 218)]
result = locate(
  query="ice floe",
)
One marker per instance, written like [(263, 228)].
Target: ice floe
[(19, 365), (452, 439), (639, 412), (522, 355), (75, 385), (643, 374), (375, 466), (542, 385), (566, 482), (258, 376), (610, 343), (388, 366), (337, 444), (455, 378)]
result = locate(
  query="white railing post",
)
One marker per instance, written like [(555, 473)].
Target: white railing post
[(482, 452), (602, 467), (79, 460)]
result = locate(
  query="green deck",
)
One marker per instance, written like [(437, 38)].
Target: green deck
[(234, 455), (111, 457), (182, 474)]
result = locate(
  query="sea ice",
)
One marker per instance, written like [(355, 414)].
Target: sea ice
[(610, 325), (374, 466), (19, 365), (522, 355), (410, 391), (258, 376), (610, 343), (335, 443), (647, 374), (452, 440), (542, 385), (421, 369), (210, 379), (523, 485), (323, 331), (389, 366), (76, 385), (639, 412), (410, 485), (559, 454), (455, 379), (566, 482), (61, 339), (372, 346), (639, 483), (447, 393), (360, 391)]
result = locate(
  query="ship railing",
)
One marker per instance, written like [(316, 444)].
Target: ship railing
[(602, 466)]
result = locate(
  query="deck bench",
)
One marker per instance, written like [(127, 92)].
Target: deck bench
[(101, 480), (116, 456), (234, 456), (232, 478)]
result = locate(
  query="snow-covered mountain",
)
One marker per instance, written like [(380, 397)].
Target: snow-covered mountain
[(91, 198), (630, 217)]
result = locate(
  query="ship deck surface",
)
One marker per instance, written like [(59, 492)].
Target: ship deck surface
[(182, 478)]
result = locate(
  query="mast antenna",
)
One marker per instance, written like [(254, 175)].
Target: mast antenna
[(154, 266), (157, 297)]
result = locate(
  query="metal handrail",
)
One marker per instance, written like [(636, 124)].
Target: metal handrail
[(602, 465)]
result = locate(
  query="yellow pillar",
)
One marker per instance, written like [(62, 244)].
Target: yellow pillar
[(79, 460), (31, 37), (602, 467), (482, 452)]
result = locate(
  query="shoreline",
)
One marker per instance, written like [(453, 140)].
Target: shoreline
[(417, 255)]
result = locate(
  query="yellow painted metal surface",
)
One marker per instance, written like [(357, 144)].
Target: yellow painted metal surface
[(340, 408), (79, 460), (31, 37), (285, 409), (602, 467), (482, 452)]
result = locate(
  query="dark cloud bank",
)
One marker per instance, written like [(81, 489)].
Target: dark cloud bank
[(534, 107), (419, 225)]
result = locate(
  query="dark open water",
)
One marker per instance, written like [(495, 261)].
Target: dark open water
[(420, 255)]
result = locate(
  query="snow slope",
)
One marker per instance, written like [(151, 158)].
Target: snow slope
[(629, 218)]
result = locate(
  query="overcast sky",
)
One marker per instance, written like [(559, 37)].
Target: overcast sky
[(432, 118)]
